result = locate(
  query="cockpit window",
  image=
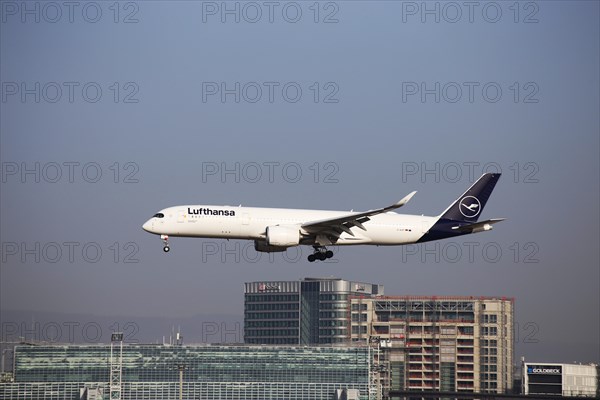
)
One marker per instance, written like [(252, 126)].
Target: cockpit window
[(159, 215)]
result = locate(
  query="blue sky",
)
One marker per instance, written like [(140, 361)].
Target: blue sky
[(156, 123)]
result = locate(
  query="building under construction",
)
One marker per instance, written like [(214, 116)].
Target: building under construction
[(448, 344)]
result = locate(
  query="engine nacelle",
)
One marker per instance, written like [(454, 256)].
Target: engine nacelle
[(263, 247), (281, 235), (485, 227)]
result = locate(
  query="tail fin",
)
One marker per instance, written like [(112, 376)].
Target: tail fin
[(469, 206)]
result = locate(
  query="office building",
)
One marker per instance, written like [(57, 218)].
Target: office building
[(310, 311), (190, 371), (559, 379)]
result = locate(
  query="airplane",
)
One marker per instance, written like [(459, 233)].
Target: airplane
[(276, 229)]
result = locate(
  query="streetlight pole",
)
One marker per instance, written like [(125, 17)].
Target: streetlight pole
[(181, 367)]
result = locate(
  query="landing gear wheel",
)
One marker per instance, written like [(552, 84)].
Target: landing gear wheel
[(165, 240), (321, 253)]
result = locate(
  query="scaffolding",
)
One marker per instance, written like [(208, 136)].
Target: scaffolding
[(116, 365), (443, 343)]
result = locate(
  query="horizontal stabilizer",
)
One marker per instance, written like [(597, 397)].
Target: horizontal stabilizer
[(478, 226)]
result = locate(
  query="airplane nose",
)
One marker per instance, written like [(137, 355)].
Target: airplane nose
[(147, 226)]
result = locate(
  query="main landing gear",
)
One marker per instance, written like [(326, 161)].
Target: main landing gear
[(165, 239), (321, 253)]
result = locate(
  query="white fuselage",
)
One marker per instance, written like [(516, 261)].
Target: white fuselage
[(250, 223), (276, 229)]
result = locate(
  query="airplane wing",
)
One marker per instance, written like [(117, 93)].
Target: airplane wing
[(338, 225)]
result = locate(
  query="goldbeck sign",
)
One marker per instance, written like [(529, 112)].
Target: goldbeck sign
[(544, 369)]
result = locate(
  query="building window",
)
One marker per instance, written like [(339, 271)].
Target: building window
[(359, 307), (359, 317), (489, 331), (465, 330), (490, 319)]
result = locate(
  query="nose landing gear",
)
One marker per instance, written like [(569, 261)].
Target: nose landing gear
[(321, 253), (165, 239)]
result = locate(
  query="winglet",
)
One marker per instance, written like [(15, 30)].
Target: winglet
[(405, 199)]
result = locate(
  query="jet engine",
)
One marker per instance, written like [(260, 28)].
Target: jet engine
[(282, 235), (263, 247)]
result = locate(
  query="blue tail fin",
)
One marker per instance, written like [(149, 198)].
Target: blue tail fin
[(469, 206)]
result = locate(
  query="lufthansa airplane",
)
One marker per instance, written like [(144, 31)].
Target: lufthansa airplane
[(276, 229)]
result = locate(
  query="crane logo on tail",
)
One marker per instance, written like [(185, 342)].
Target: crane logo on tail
[(470, 206)]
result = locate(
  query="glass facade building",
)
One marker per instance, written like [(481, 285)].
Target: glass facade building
[(200, 372), (310, 311)]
